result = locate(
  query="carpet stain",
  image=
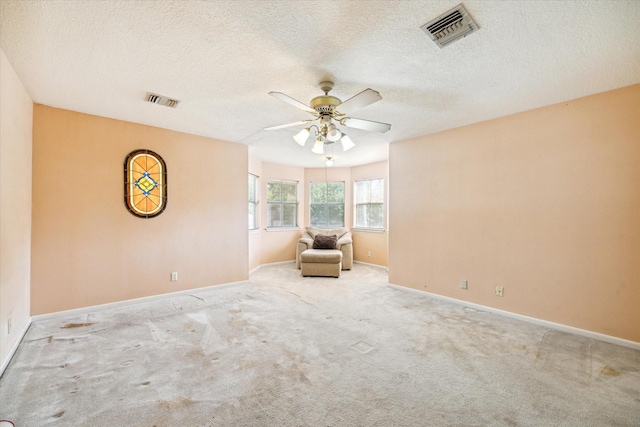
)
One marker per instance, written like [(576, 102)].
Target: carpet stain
[(178, 402), (59, 414), (524, 348), (247, 364), (608, 370), (76, 325), (188, 326), (509, 421), (195, 352)]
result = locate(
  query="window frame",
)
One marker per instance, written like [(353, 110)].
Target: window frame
[(327, 204), (357, 226), (255, 202), (283, 204)]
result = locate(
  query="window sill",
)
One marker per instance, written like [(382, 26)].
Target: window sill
[(282, 229), (254, 231), (369, 230)]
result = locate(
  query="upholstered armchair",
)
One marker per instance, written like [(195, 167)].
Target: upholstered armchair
[(345, 243)]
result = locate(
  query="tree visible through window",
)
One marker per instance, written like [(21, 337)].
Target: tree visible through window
[(282, 203), (327, 204), (369, 195), (253, 202)]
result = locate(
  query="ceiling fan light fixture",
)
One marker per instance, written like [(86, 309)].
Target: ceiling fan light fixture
[(331, 112), (318, 147), (333, 134), (328, 161), (302, 136), (347, 143)]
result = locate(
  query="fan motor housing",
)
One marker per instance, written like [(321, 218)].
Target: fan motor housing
[(325, 104)]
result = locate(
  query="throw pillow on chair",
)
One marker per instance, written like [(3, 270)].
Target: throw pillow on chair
[(325, 242)]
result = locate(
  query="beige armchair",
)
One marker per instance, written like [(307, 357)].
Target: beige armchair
[(345, 243)]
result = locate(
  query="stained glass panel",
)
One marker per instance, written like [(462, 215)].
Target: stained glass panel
[(145, 183)]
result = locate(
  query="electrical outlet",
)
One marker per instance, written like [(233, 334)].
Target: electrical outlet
[(174, 276), (499, 291), (463, 284), (368, 253)]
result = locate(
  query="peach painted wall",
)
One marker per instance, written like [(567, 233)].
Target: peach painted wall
[(255, 236), (332, 175), (88, 249), (280, 245), (365, 242), (545, 203), (16, 115)]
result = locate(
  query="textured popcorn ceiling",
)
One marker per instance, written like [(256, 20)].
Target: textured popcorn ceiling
[(221, 58)]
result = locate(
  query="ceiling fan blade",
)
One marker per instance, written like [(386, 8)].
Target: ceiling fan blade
[(364, 98), (288, 125), (365, 124), (289, 100)]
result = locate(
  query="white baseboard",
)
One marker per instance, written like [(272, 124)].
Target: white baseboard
[(288, 262), (372, 265), (545, 323), (270, 263), (129, 302), (15, 346)]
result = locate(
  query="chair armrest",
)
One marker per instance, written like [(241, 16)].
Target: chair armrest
[(344, 240), (307, 241), (303, 244), (345, 244)]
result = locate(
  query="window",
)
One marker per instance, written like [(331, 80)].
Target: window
[(369, 195), (253, 202), (145, 183), (327, 204), (282, 203)]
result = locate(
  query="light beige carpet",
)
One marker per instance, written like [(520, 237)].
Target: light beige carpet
[(284, 350)]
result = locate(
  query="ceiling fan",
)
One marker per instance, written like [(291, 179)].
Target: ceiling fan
[(329, 111)]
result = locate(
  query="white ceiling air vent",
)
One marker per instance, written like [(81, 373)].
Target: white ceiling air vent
[(450, 26), (161, 100)]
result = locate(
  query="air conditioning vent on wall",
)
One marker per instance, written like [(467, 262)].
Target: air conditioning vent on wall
[(450, 26), (161, 100)]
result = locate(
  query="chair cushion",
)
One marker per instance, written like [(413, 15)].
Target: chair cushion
[(325, 242), (321, 256)]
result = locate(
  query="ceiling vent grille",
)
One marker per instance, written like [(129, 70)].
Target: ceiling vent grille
[(161, 100), (450, 26)]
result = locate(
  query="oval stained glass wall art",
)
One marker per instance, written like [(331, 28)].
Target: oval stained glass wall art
[(145, 183)]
